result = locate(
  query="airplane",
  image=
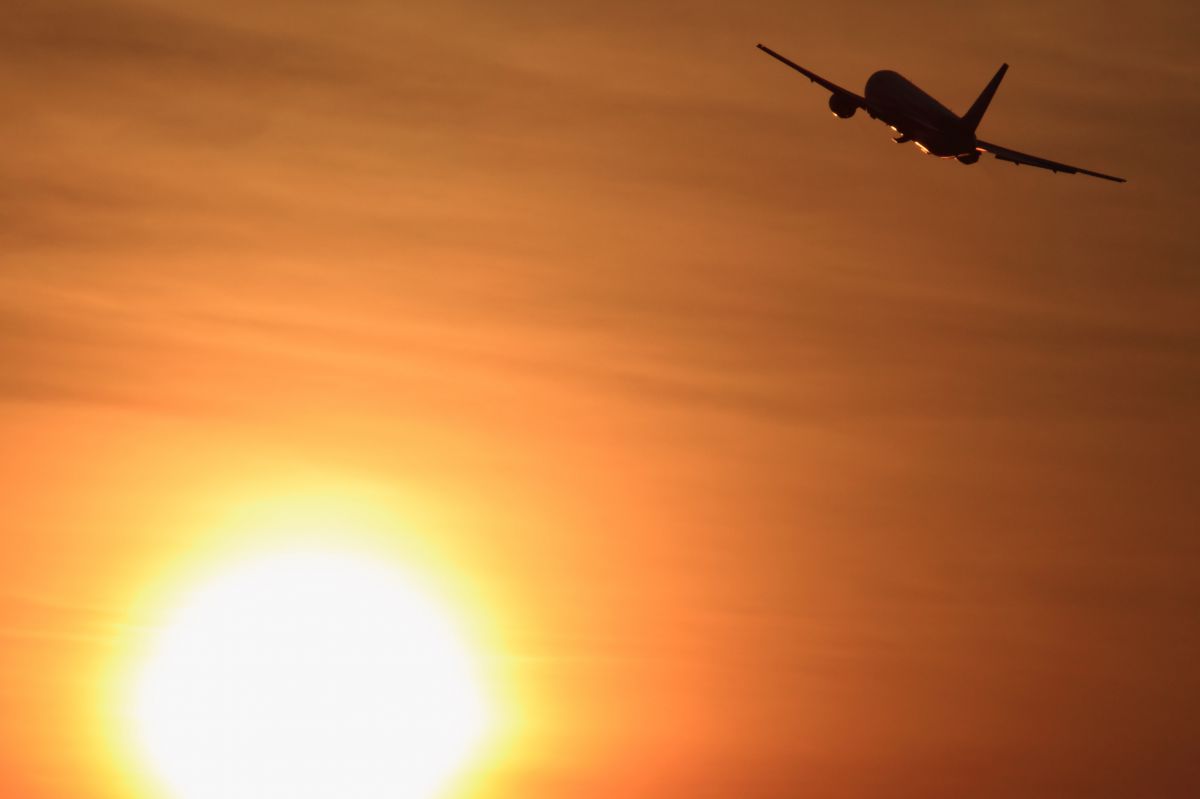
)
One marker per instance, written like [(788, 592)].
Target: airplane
[(922, 120)]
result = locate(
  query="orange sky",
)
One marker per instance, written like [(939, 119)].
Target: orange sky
[(775, 460)]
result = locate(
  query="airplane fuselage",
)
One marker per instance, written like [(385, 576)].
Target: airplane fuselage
[(916, 116)]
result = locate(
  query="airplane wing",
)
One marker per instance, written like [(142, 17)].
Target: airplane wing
[(1005, 154), (815, 78)]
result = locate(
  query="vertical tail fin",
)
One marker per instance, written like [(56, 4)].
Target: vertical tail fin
[(972, 117)]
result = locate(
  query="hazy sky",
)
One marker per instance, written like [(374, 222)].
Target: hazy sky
[(782, 461)]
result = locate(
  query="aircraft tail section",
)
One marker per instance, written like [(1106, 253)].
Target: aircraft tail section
[(972, 117)]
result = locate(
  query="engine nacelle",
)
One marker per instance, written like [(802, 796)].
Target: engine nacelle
[(968, 158), (843, 106)]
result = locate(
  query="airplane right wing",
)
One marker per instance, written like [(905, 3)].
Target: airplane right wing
[(815, 78), (1005, 154)]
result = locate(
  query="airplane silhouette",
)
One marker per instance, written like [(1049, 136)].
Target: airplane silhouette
[(922, 120)]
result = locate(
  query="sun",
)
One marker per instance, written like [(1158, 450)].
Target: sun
[(308, 674)]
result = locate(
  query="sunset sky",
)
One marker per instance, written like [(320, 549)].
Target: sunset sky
[(758, 456)]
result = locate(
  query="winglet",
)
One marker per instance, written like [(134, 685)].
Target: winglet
[(971, 118)]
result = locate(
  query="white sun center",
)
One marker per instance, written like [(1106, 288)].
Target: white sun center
[(306, 676)]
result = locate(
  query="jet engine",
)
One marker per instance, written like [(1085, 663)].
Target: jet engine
[(843, 106), (968, 158)]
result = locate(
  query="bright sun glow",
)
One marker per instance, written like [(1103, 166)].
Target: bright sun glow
[(311, 674)]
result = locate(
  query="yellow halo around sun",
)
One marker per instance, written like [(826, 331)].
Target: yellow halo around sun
[(308, 674)]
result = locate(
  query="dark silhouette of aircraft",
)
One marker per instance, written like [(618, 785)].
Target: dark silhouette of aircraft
[(925, 122)]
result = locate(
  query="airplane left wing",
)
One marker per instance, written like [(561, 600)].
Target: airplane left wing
[(1005, 154), (815, 78)]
